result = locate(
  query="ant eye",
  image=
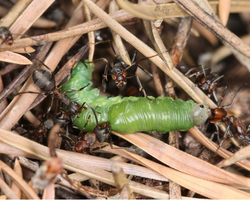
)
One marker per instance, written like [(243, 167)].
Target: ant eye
[(201, 106)]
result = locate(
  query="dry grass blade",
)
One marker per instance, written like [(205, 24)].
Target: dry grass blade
[(214, 147), (19, 181), (169, 10), (91, 35), (201, 186), (159, 45), (49, 192), (113, 7), (97, 162), (182, 161), (214, 26), (7, 190), (83, 164), (239, 155), (10, 57), (152, 12), (18, 170), (180, 40), (33, 11), (44, 23), (224, 52), (121, 182), (13, 14), (86, 27), (224, 10)]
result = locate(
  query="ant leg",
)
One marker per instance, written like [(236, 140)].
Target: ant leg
[(134, 57), (248, 128), (83, 107), (111, 142), (221, 98), (140, 86), (224, 137), (84, 127), (229, 105), (197, 73), (39, 61), (215, 132), (64, 80), (135, 63), (146, 71), (69, 91), (50, 106), (215, 97), (188, 73), (105, 75), (204, 70)]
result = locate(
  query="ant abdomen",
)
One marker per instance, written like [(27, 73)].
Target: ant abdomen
[(44, 80)]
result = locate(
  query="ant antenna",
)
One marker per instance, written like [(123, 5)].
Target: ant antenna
[(33, 57), (203, 70), (229, 105), (93, 112), (84, 127)]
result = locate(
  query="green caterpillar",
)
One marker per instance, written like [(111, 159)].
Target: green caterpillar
[(132, 114)]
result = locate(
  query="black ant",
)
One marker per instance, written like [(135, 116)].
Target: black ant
[(40, 132), (239, 129), (6, 36), (120, 72), (233, 123), (206, 80), (86, 141), (46, 82)]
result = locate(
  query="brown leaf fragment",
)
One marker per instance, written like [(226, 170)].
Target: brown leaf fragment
[(10, 57)]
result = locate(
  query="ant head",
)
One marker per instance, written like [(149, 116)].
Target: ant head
[(102, 131), (74, 108), (62, 118), (119, 75)]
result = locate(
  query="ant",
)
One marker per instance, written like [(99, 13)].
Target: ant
[(206, 81), (46, 82), (239, 129), (85, 142), (6, 36), (120, 71), (233, 123), (39, 133)]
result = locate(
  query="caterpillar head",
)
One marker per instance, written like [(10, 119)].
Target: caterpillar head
[(200, 113)]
